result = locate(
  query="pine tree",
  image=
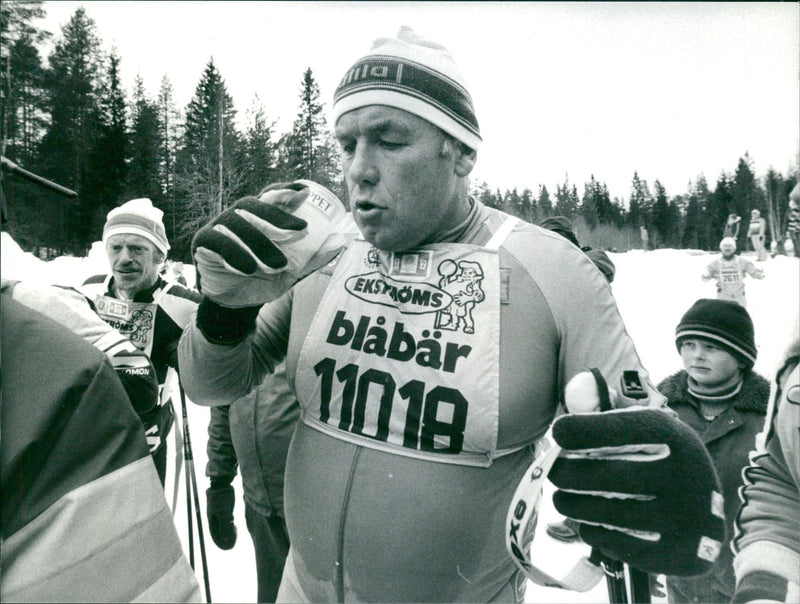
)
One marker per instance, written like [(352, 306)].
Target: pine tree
[(662, 228), (145, 149), (567, 200), (22, 116), (72, 101), (309, 150), (747, 196), (106, 173), (591, 206), (641, 202), (169, 119), (527, 206), (544, 207), (261, 153), (209, 171)]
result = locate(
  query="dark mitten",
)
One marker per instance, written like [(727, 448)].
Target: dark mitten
[(237, 255), (219, 509), (643, 487)]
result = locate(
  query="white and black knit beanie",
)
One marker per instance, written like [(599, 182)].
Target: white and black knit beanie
[(723, 322), (413, 74), (137, 217)]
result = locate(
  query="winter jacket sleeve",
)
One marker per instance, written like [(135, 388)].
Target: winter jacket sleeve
[(767, 529), (751, 269), (222, 464), (218, 374), (73, 310), (712, 271), (81, 500)]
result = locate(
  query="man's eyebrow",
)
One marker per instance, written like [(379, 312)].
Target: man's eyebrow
[(379, 126)]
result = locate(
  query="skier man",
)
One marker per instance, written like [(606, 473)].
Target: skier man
[(412, 439), (729, 271), (134, 299)]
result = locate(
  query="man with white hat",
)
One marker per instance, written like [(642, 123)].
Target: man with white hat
[(729, 271), (415, 429), (135, 300)]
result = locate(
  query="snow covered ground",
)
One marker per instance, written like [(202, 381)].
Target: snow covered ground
[(653, 290)]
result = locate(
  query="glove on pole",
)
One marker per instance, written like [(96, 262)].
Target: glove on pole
[(643, 487)]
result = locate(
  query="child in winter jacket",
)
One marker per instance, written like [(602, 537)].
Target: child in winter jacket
[(729, 271), (725, 402)]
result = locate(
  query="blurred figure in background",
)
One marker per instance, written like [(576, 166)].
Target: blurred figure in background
[(732, 226), (253, 432), (793, 220), (729, 271), (757, 232)]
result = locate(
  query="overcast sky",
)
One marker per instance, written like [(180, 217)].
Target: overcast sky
[(670, 90)]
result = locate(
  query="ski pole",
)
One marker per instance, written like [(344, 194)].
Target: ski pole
[(640, 586), (190, 471), (187, 455), (615, 579), (614, 569)]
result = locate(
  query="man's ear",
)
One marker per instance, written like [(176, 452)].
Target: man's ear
[(465, 160)]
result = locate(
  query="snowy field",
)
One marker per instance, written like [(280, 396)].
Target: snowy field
[(653, 290)]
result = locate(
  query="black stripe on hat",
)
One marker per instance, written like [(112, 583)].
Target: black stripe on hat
[(382, 72)]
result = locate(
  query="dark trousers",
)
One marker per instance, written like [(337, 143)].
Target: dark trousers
[(271, 544)]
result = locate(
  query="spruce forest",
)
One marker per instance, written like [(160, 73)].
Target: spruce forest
[(67, 118)]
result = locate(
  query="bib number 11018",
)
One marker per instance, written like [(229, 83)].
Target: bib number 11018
[(423, 430)]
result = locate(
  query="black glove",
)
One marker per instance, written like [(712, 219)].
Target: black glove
[(219, 509), (643, 488), (238, 262)]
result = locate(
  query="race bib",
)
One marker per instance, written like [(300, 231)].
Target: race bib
[(729, 272), (404, 355), (134, 320)]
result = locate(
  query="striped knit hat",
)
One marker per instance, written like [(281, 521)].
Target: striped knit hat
[(413, 74), (137, 217), (723, 322)]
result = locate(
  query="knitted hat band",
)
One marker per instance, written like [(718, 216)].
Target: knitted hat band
[(704, 333), (137, 217), (415, 75)]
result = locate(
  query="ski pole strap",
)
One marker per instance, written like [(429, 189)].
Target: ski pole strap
[(521, 524)]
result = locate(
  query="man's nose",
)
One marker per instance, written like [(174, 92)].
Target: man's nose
[(361, 169)]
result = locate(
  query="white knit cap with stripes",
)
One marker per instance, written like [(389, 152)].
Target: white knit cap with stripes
[(137, 217), (413, 74)]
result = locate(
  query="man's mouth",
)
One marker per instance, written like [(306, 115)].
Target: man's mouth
[(366, 206)]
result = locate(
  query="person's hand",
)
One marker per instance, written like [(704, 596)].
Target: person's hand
[(643, 488), (219, 509), (656, 586), (238, 262)]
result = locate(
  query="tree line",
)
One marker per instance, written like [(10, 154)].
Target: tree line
[(70, 120)]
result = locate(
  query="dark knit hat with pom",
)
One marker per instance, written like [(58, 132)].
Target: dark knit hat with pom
[(722, 322)]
